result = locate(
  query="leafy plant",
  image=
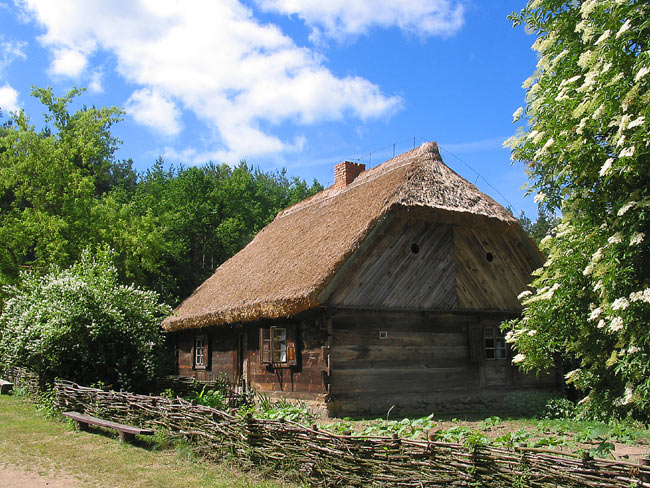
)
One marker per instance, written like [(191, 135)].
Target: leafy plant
[(585, 149), (560, 408), (83, 325)]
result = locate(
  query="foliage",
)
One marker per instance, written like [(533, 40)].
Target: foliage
[(587, 152), (560, 408), (541, 228), (62, 189), (50, 181), (83, 325)]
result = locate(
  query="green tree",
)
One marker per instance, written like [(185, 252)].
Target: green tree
[(587, 152), (81, 324), (51, 181), (541, 228)]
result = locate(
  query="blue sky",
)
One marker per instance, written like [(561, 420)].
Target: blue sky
[(301, 84)]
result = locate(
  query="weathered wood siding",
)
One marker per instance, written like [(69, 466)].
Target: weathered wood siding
[(221, 349), (484, 284), (306, 378), (422, 365), (411, 265)]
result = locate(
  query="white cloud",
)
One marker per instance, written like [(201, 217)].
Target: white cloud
[(152, 109), (95, 85), (68, 62), (10, 51), (213, 58), (8, 99), (343, 18)]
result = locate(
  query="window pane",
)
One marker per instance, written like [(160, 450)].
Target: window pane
[(489, 343), (489, 353), (279, 345)]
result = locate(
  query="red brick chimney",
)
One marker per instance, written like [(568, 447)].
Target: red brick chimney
[(346, 172)]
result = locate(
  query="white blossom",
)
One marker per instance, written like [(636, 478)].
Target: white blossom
[(603, 36), (633, 349), (620, 304), (615, 239), (517, 114), (588, 270), (616, 324), (524, 294), (636, 122), (637, 238), (595, 313), (518, 358), (572, 374), (597, 256), (607, 166), (601, 324), (539, 197), (625, 208), (629, 394), (532, 332), (641, 296), (623, 28), (598, 112), (585, 59), (627, 152), (641, 73)]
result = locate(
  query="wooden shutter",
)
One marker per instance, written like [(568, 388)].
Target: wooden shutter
[(265, 345), (476, 347), (292, 345)]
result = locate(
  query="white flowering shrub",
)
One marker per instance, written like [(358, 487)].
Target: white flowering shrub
[(586, 148), (81, 324)]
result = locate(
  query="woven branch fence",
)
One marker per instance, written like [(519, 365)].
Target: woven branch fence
[(22, 377), (326, 459)]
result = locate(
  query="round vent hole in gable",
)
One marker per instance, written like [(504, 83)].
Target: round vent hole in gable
[(415, 248), (489, 257)]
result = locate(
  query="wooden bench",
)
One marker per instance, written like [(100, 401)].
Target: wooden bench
[(5, 386), (127, 432)]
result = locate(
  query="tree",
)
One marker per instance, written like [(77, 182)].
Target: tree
[(81, 324), (587, 152), (541, 228), (51, 182)]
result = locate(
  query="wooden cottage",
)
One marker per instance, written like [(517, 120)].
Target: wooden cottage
[(385, 289)]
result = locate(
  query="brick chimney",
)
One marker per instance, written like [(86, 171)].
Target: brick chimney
[(346, 172)]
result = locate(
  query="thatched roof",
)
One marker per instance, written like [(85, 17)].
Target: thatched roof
[(285, 267)]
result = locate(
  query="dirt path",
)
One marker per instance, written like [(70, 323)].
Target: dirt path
[(12, 476)]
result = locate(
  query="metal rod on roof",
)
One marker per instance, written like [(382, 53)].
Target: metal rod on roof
[(414, 143), (393, 149)]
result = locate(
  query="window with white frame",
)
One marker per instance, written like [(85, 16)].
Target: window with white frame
[(201, 352)]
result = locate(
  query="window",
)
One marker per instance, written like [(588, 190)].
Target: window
[(494, 343), (201, 356), (278, 346)]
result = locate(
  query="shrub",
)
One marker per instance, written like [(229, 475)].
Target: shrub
[(81, 324)]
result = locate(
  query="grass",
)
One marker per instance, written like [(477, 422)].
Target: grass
[(39, 445)]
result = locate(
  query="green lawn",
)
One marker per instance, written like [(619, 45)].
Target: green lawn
[(40, 445)]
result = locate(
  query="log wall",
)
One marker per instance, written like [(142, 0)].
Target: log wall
[(423, 364), (306, 379)]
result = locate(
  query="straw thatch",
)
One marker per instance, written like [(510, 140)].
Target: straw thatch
[(285, 267)]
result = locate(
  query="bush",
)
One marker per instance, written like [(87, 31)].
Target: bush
[(81, 324)]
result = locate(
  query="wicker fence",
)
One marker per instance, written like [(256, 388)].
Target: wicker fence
[(326, 459), (22, 378)]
